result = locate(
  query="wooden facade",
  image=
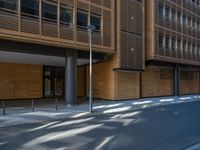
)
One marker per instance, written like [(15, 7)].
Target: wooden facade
[(130, 34), (20, 81), (189, 82), (157, 82)]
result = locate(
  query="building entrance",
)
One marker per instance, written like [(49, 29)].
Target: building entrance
[(53, 81)]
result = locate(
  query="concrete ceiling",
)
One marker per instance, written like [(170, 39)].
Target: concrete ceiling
[(16, 57)]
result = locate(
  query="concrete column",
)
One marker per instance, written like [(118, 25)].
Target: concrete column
[(176, 80), (71, 77)]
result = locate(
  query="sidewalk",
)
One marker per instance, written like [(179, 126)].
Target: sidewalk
[(24, 115)]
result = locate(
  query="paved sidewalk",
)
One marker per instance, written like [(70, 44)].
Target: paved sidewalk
[(23, 115)]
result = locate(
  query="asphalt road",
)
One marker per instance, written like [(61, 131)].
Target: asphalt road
[(173, 127)]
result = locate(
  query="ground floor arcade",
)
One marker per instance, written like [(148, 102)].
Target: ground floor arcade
[(30, 71), (26, 81)]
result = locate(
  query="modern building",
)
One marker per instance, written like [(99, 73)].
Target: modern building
[(140, 48)]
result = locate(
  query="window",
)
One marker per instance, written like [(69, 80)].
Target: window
[(189, 21), (184, 45), (179, 45), (8, 4), (189, 46), (161, 41), (65, 15), (173, 42), (173, 15), (167, 42), (160, 9), (96, 21), (82, 20), (167, 11), (49, 11), (179, 17), (184, 20), (30, 7), (193, 24), (197, 25)]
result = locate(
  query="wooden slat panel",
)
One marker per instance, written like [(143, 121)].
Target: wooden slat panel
[(80, 81), (6, 81), (157, 82), (35, 82), (21, 80), (127, 85), (103, 80), (189, 82), (8, 21), (107, 28)]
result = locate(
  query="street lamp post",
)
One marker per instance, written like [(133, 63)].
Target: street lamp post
[(90, 28)]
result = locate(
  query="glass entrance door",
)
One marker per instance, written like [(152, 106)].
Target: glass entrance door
[(53, 81)]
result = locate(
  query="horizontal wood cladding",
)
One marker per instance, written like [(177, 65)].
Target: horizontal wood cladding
[(37, 29), (127, 85), (103, 80), (6, 81), (80, 81), (157, 82), (20, 81), (189, 82), (131, 35)]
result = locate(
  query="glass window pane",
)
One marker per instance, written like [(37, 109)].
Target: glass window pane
[(166, 12), (8, 4), (65, 15), (82, 20), (160, 9), (96, 21), (173, 14), (30, 7), (49, 11)]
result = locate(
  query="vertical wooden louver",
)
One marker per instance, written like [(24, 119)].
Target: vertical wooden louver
[(174, 28), (132, 35)]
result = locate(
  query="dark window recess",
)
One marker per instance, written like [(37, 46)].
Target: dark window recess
[(167, 12), (184, 20), (173, 15), (65, 15), (179, 43), (160, 9), (30, 7), (96, 21), (82, 20), (179, 17), (160, 41), (173, 43), (8, 4), (49, 11), (167, 42)]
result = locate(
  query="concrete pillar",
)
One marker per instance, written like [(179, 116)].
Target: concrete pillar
[(176, 80), (71, 77)]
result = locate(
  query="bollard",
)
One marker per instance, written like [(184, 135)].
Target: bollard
[(4, 108), (32, 105), (56, 103)]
